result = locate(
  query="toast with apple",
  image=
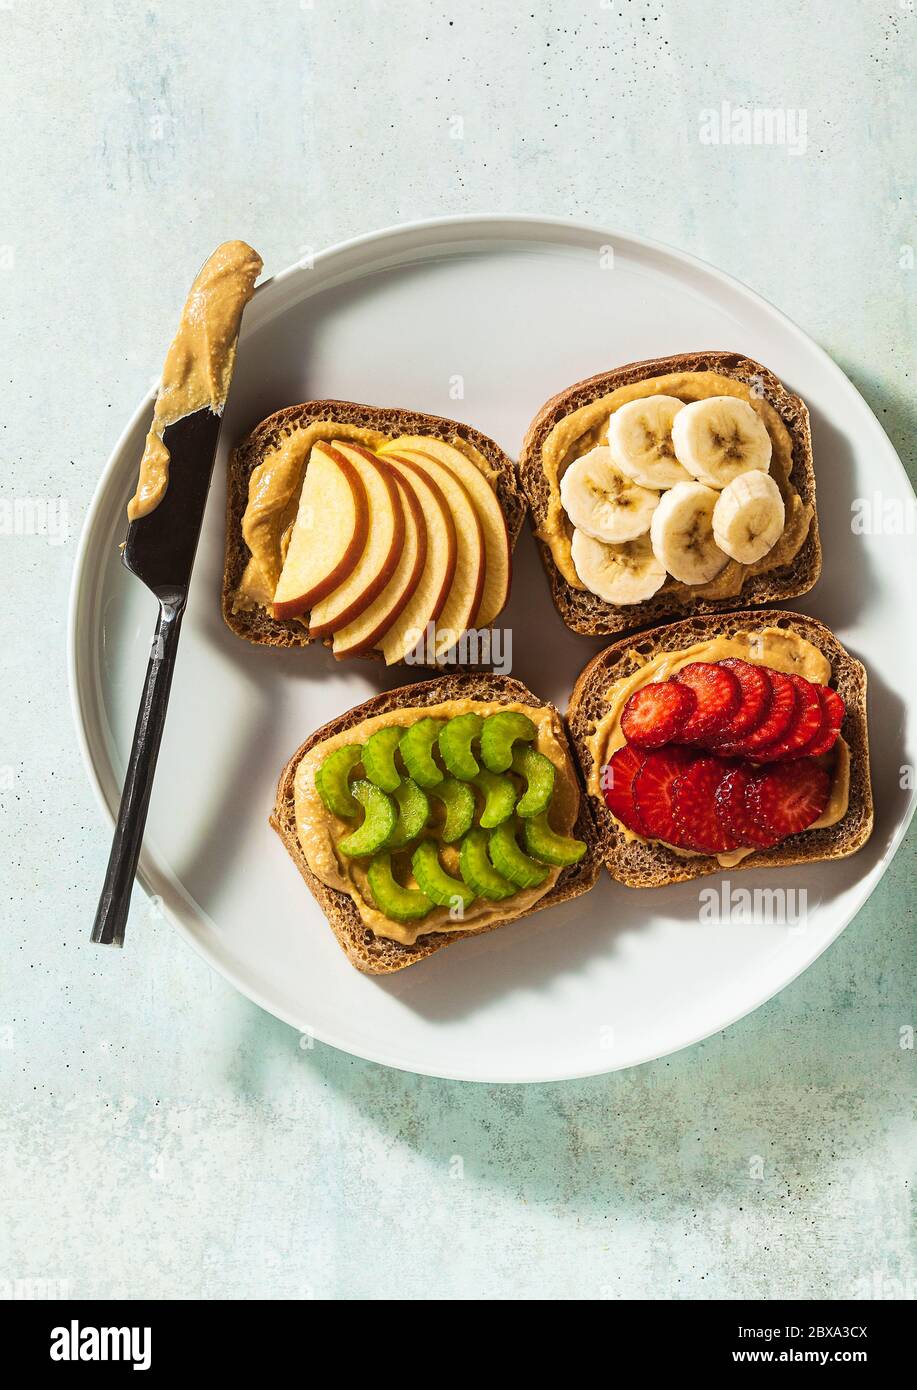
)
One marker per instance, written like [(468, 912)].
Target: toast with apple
[(451, 774), (670, 487), (382, 533)]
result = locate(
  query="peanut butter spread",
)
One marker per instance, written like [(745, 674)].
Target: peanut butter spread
[(770, 646), (199, 364), (587, 427), (319, 831), (273, 498)]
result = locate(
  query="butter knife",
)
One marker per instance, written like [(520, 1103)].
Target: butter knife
[(162, 541)]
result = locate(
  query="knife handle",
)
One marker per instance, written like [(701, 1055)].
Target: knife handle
[(114, 904)]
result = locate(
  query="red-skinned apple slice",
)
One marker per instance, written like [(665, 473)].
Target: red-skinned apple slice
[(379, 558), (322, 553), (464, 596), (429, 598), (370, 627), (497, 550)]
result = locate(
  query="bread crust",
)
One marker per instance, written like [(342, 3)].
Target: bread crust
[(258, 626), (641, 864), (377, 955), (585, 612)]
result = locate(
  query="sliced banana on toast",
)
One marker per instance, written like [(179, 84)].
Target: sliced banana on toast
[(749, 517), (626, 573), (640, 440), (602, 502), (680, 489), (719, 438), (682, 533)]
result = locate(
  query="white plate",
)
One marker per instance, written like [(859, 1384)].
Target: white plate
[(513, 308)]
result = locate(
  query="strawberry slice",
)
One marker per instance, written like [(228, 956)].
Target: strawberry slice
[(788, 797), (833, 710), (803, 727), (617, 785), (654, 714), (694, 808), (755, 698), (654, 785), (734, 814), (718, 695), (775, 722)]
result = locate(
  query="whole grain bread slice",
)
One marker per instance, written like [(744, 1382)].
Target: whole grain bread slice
[(585, 612), (642, 864), (376, 955), (256, 625)]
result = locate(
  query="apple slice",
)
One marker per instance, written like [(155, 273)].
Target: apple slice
[(429, 598), (498, 555), (328, 535), (468, 582), (362, 634), (376, 565)]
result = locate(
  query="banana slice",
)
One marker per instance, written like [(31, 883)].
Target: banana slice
[(640, 440), (682, 533), (601, 501), (748, 517), (718, 438), (625, 573)]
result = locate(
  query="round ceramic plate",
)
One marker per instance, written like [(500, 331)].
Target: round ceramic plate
[(479, 319)]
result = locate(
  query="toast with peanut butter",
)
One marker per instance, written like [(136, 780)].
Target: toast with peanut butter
[(436, 812), (723, 742), (382, 533), (671, 487)]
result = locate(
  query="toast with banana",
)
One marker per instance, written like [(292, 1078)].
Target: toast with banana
[(383, 533), (434, 813), (672, 487), (723, 742)]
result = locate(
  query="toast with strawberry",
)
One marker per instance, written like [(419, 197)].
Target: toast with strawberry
[(727, 741)]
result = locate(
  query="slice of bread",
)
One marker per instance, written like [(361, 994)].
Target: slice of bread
[(377, 955), (584, 611), (256, 625), (641, 864)]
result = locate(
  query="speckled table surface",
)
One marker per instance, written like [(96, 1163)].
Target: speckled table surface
[(161, 1136)]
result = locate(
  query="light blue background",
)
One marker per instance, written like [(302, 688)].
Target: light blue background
[(160, 1135)]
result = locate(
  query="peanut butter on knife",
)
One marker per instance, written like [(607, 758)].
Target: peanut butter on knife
[(199, 364)]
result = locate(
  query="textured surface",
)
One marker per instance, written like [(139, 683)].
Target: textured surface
[(160, 1135)]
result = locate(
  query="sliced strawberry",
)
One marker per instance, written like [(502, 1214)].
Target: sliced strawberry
[(833, 710), (617, 785), (653, 790), (788, 797), (654, 714), (803, 727), (694, 808), (754, 702), (718, 695), (734, 814), (776, 721)]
